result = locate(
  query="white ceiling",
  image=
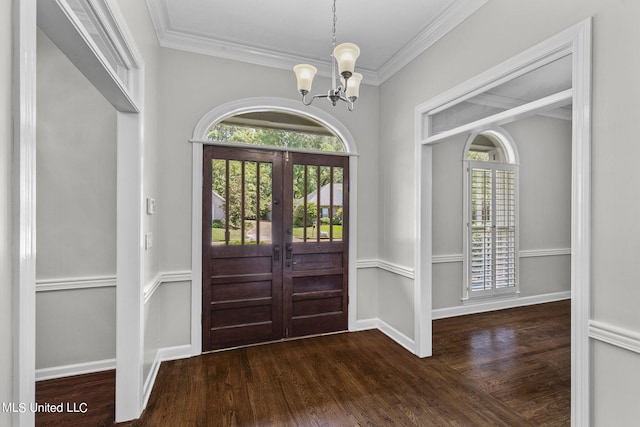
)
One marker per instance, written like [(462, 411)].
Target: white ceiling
[(282, 33)]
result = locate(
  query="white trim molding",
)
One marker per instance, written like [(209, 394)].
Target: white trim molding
[(448, 258), (443, 24), (167, 277), (75, 283), (615, 335), (398, 269), (23, 204), (533, 253), (397, 336), (173, 38), (480, 306), (163, 355), (528, 253), (75, 369)]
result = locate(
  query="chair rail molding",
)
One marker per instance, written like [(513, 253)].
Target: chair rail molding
[(615, 335)]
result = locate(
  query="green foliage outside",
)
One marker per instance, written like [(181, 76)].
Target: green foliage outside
[(275, 138), (298, 214), (257, 182), (298, 232)]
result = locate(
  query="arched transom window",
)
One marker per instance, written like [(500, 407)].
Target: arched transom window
[(276, 129)]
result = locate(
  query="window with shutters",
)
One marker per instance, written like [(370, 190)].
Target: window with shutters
[(491, 218)]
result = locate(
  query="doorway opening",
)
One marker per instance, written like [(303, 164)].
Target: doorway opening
[(575, 44)]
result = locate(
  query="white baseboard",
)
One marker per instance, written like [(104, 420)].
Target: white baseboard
[(482, 307), (163, 355), (397, 336), (388, 330), (365, 325), (150, 380), (75, 369), (175, 353)]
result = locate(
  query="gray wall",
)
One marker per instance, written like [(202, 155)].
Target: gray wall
[(75, 216), (6, 254), (76, 171), (498, 31), (544, 146)]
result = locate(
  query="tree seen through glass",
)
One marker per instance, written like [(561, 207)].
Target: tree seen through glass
[(242, 190)]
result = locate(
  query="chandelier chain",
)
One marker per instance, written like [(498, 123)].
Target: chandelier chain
[(335, 19)]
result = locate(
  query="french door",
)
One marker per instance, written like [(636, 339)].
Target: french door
[(275, 239)]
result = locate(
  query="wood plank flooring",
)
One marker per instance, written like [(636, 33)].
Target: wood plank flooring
[(505, 368)]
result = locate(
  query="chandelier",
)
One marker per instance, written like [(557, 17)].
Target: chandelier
[(345, 55)]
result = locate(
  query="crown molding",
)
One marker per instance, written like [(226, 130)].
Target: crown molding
[(171, 38), (250, 54), (443, 24)]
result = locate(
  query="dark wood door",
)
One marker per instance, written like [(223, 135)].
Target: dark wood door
[(315, 271), (242, 273), (274, 245)]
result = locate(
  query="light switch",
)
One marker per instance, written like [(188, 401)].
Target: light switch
[(151, 205), (148, 240)]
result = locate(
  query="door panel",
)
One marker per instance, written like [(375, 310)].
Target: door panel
[(315, 273), (242, 273), (275, 240)]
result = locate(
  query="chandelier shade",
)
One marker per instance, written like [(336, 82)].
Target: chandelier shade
[(352, 86), (305, 74), (346, 55)]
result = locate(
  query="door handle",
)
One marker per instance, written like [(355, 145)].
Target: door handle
[(288, 255), (276, 253)]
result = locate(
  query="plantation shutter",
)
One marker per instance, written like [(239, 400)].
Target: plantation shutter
[(492, 228)]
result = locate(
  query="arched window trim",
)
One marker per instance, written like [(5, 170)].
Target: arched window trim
[(259, 104), (502, 137)]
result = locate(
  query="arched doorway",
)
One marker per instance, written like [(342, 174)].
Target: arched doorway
[(271, 271)]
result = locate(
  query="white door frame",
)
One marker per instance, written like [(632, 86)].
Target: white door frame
[(200, 136), (577, 42), (57, 19)]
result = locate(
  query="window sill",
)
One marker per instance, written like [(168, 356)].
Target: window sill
[(491, 298)]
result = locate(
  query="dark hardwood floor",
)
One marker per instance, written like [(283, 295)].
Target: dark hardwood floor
[(505, 368)]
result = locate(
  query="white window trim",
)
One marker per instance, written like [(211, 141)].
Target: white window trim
[(467, 295)]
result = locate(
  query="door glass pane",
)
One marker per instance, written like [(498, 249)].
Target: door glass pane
[(241, 202), (265, 204), (337, 187), (317, 204), (219, 201)]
